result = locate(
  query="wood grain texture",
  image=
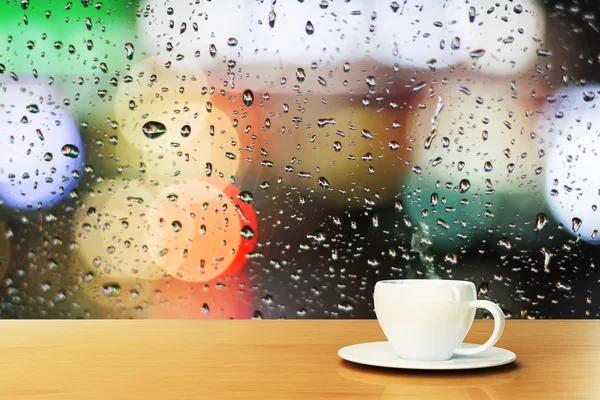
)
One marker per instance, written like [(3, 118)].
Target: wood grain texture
[(277, 360)]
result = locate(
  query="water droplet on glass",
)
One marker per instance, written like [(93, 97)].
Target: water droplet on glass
[(323, 182), (366, 134), (472, 14), (111, 289), (247, 233), (540, 221), (176, 226), (246, 197), (70, 150), (130, 51), (442, 223), (576, 224), (321, 122), (504, 242), (589, 95), (272, 17), (248, 97), (154, 129), (455, 44), (477, 53), (370, 81), (465, 90), (186, 130), (310, 29), (547, 256), (544, 53), (32, 108), (464, 186)]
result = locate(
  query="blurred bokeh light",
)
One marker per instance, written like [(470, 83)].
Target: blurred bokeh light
[(44, 152), (572, 182), (202, 228)]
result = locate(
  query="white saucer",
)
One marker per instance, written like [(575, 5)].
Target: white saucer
[(381, 354)]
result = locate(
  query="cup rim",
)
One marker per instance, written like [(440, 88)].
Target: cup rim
[(432, 282)]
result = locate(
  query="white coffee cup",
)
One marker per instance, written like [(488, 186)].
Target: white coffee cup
[(427, 320)]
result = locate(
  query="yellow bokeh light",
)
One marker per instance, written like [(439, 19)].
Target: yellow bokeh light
[(171, 132), (111, 231)]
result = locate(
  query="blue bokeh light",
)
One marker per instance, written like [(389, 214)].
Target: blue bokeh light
[(42, 151)]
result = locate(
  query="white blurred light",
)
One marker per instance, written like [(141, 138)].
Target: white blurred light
[(572, 181), (510, 35), (406, 34), (483, 131), (498, 36), (260, 33), (174, 29), (291, 40), (42, 149)]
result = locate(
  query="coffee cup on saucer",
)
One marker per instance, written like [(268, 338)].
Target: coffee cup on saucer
[(427, 320)]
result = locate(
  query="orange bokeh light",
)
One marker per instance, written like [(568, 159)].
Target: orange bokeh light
[(202, 229)]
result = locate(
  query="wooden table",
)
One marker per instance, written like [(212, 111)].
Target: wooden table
[(179, 360)]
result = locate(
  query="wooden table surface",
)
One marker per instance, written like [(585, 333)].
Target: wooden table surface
[(180, 360)]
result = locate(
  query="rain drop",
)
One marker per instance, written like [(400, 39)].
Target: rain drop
[(248, 97), (588, 95), (186, 130), (111, 289), (576, 224), (246, 197), (464, 186), (153, 129), (32, 108), (540, 221), (70, 150), (247, 233), (310, 29), (130, 50), (176, 226)]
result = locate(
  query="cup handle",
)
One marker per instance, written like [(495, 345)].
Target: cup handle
[(498, 327)]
